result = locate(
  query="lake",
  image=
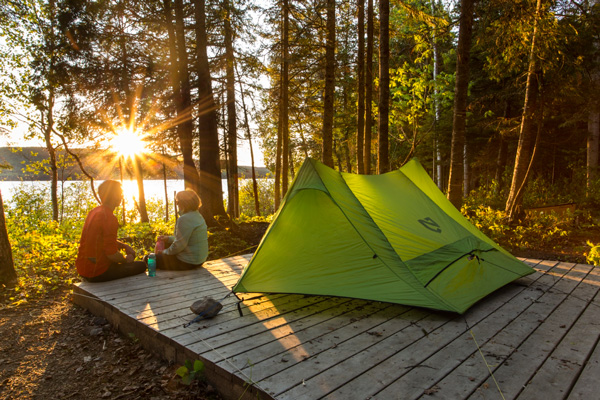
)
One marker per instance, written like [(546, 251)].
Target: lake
[(153, 189)]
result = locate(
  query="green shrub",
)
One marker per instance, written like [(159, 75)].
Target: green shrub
[(539, 231), (190, 372), (266, 188), (593, 256)]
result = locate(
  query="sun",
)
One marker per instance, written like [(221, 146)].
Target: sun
[(128, 143)]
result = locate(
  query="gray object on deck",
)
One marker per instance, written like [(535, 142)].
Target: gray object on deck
[(207, 307)]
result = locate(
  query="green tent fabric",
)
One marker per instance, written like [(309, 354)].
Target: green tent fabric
[(392, 237)]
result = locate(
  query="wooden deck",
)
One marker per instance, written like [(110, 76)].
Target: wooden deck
[(538, 336)]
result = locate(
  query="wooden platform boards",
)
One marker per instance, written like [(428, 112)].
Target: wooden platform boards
[(538, 336)]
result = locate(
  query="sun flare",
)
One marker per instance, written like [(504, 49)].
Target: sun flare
[(128, 143)]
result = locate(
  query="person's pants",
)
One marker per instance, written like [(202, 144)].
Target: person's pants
[(118, 271), (172, 263)]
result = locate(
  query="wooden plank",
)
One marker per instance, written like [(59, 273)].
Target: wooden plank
[(266, 311), (160, 301), (586, 386), (303, 331), (239, 341), (214, 269), (364, 384), (424, 375), (531, 353), (171, 322), (472, 372), (372, 344), (292, 359), (560, 370)]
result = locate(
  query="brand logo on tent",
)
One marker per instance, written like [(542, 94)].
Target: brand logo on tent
[(431, 225)]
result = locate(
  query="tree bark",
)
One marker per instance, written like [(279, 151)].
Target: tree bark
[(285, 122), (383, 162), (437, 163), (79, 163), (185, 128), (164, 171), (48, 108), (360, 65), (210, 190), (501, 162), (121, 167), (233, 192), (593, 141), (139, 177), (455, 181), (249, 137), (526, 136), (51, 153), (368, 89), (328, 101), (278, 154), (7, 268)]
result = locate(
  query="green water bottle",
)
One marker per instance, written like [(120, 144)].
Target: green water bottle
[(152, 264)]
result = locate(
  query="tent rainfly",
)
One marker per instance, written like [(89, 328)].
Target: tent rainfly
[(392, 237)]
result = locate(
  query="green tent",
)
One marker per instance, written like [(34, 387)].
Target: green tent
[(392, 237)]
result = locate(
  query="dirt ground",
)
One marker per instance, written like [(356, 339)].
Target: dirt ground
[(53, 349)]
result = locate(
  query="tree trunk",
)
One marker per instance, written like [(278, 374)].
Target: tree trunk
[(139, 177), (328, 101), (502, 154), (79, 163), (185, 128), (233, 192), (517, 211), (249, 136), (592, 147), (501, 163), (278, 155), (527, 133), (121, 166), (211, 191), (460, 103), (360, 65), (285, 122), (368, 89), (466, 171), (383, 162), (164, 171), (51, 153), (436, 106), (7, 268)]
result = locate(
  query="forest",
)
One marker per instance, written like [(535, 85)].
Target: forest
[(498, 100)]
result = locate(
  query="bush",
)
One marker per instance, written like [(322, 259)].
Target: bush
[(266, 188), (593, 256)]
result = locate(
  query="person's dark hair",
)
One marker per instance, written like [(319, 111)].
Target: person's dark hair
[(187, 200), (109, 190)]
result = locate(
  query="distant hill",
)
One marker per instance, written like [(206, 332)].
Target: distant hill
[(28, 163)]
